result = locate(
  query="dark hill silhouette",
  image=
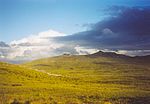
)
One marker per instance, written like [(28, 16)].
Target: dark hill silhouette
[(144, 60), (108, 54)]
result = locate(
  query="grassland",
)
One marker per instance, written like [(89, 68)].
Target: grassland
[(76, 80)]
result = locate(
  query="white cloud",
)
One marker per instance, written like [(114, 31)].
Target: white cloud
[(134, 52), (35, 46), (50, 33), (107, 31), (43, 44), (85, 51), (40, 38)]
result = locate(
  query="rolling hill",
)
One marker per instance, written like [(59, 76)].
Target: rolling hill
[(100, 78)]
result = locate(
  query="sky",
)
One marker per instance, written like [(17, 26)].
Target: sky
[(32, 29), (20, 18)]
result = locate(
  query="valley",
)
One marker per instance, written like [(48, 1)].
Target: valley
[(77, 79)]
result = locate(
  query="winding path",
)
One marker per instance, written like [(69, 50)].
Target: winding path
[(43, 71)]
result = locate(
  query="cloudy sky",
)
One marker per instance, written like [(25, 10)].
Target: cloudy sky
[(31, 29)]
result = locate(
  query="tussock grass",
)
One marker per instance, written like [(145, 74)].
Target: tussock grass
[(83, 80)]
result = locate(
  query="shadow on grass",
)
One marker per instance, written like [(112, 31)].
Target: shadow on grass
[(17, 102), (122, 100)]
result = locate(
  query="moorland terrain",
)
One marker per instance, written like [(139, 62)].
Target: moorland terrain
[(100, 78)]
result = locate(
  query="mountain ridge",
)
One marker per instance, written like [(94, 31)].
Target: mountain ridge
[(94, 55)]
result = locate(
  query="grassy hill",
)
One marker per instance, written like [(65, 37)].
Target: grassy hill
[(77, 80)]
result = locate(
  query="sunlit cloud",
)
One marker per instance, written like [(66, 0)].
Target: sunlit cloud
[(84, 51), (125, 31), (32, 47)]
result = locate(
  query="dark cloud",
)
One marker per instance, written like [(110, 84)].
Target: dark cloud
[(135, 21), (125, 31), (125, 28)]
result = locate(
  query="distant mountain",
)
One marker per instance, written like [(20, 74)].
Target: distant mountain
[(108, 54), (3, 44), (115, 55), (12, 61), (142, 60)]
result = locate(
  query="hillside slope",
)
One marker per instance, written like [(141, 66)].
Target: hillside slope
[(22, 85), (76, 80), (120, 79)]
